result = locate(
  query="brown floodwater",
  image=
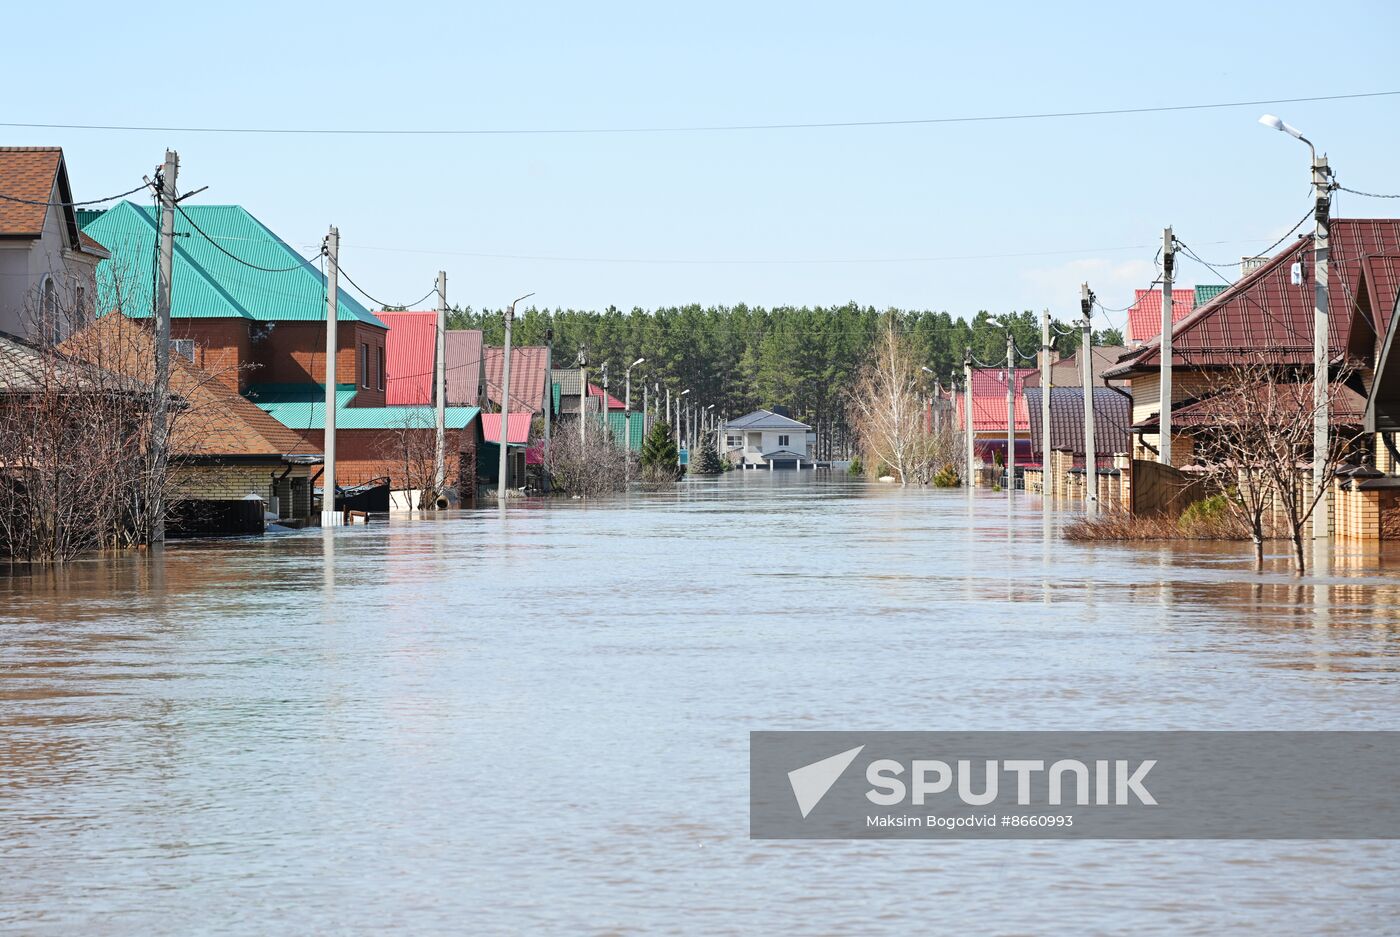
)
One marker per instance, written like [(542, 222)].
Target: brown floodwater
[(537, 720)]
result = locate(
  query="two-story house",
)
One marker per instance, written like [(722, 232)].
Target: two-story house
[(765, 439), (245, 306), (47, 263)]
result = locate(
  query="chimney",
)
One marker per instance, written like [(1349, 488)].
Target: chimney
[(1248, 264)]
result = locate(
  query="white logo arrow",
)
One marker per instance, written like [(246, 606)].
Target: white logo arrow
[(811, 782)]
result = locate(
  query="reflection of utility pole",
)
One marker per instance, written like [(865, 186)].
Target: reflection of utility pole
[(1086, 368), (160, 430)]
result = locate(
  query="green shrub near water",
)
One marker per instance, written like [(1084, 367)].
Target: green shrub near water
[(947, 477), (855, 468)]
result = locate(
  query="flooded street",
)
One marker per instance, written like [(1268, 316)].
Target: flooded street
[(538, 721)]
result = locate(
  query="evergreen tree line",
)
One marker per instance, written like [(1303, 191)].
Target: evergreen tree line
[(741, 358)]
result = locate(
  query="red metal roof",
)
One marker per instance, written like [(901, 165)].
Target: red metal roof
[(409, 357), (613, 403), (1145, 315), (989, 400), (529, 367), (1266, 310), (517, 427), (463, 367)]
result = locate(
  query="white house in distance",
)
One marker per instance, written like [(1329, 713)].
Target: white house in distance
[(765, 439)]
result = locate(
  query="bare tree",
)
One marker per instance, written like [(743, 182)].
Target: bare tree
[(412, 443), (886, 409), (594, 466), (1256, 444)]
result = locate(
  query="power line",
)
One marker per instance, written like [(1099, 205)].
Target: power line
[(304, 263), (383, 305), (1367, 194), (701, 128), (1266, 251), (95, 201)]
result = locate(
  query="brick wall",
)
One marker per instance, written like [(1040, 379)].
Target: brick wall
[(362, 455), (234, 481), (222, 347), (295, 353)]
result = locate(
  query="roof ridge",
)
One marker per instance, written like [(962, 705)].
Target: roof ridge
[(341, 294)]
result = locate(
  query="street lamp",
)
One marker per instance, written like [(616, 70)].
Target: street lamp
[(627, 417), (1322, 192), (505, 402)]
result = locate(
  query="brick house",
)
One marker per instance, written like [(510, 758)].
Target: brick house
[(1270, 309), (243, 324), (224, 450)]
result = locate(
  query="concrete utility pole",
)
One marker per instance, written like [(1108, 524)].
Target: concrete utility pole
[(330, 517), (503, 465), (160, 428), (627, 417), (646, 407), (1086, 368), (967, 412), (1010, 411), (603, 404), (1322, 211), (549, 372), (582, 396), (681, 428), (1045, 386), (1164, 441), (440, 392)]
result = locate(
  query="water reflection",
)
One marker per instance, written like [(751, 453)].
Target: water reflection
[(537, 718)]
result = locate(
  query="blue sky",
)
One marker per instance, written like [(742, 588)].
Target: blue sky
[(1076, 193)]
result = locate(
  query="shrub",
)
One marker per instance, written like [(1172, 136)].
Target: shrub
[(855, 468), (659, 456), (946, 477)]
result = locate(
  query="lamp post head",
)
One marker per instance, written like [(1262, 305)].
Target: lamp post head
[(686, 391), (1269, 120), (637, 362)]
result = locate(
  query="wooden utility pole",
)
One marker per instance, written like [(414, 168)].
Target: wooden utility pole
[(1164, 440), (1086, 368), (160, 425), (330, 517), (440, 392)]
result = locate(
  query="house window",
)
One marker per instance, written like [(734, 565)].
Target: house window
[(48, 310), (183, 347), (364, 364), (782, 442), (733, 441), (381, 367), (81, 307)]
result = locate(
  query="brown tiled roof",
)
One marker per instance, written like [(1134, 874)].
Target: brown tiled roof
[(218, 421), (1066, 371), (1265, 309), (27, 172)]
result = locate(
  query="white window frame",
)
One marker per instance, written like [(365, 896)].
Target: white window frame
[(183, 347), (784, 441)]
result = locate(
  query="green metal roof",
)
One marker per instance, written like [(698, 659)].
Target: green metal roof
[(1206, 293), (303, 407), (207, 282), (618, 424)]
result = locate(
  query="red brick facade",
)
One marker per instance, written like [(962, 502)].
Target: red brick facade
[(362, 455), (243, 353)]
